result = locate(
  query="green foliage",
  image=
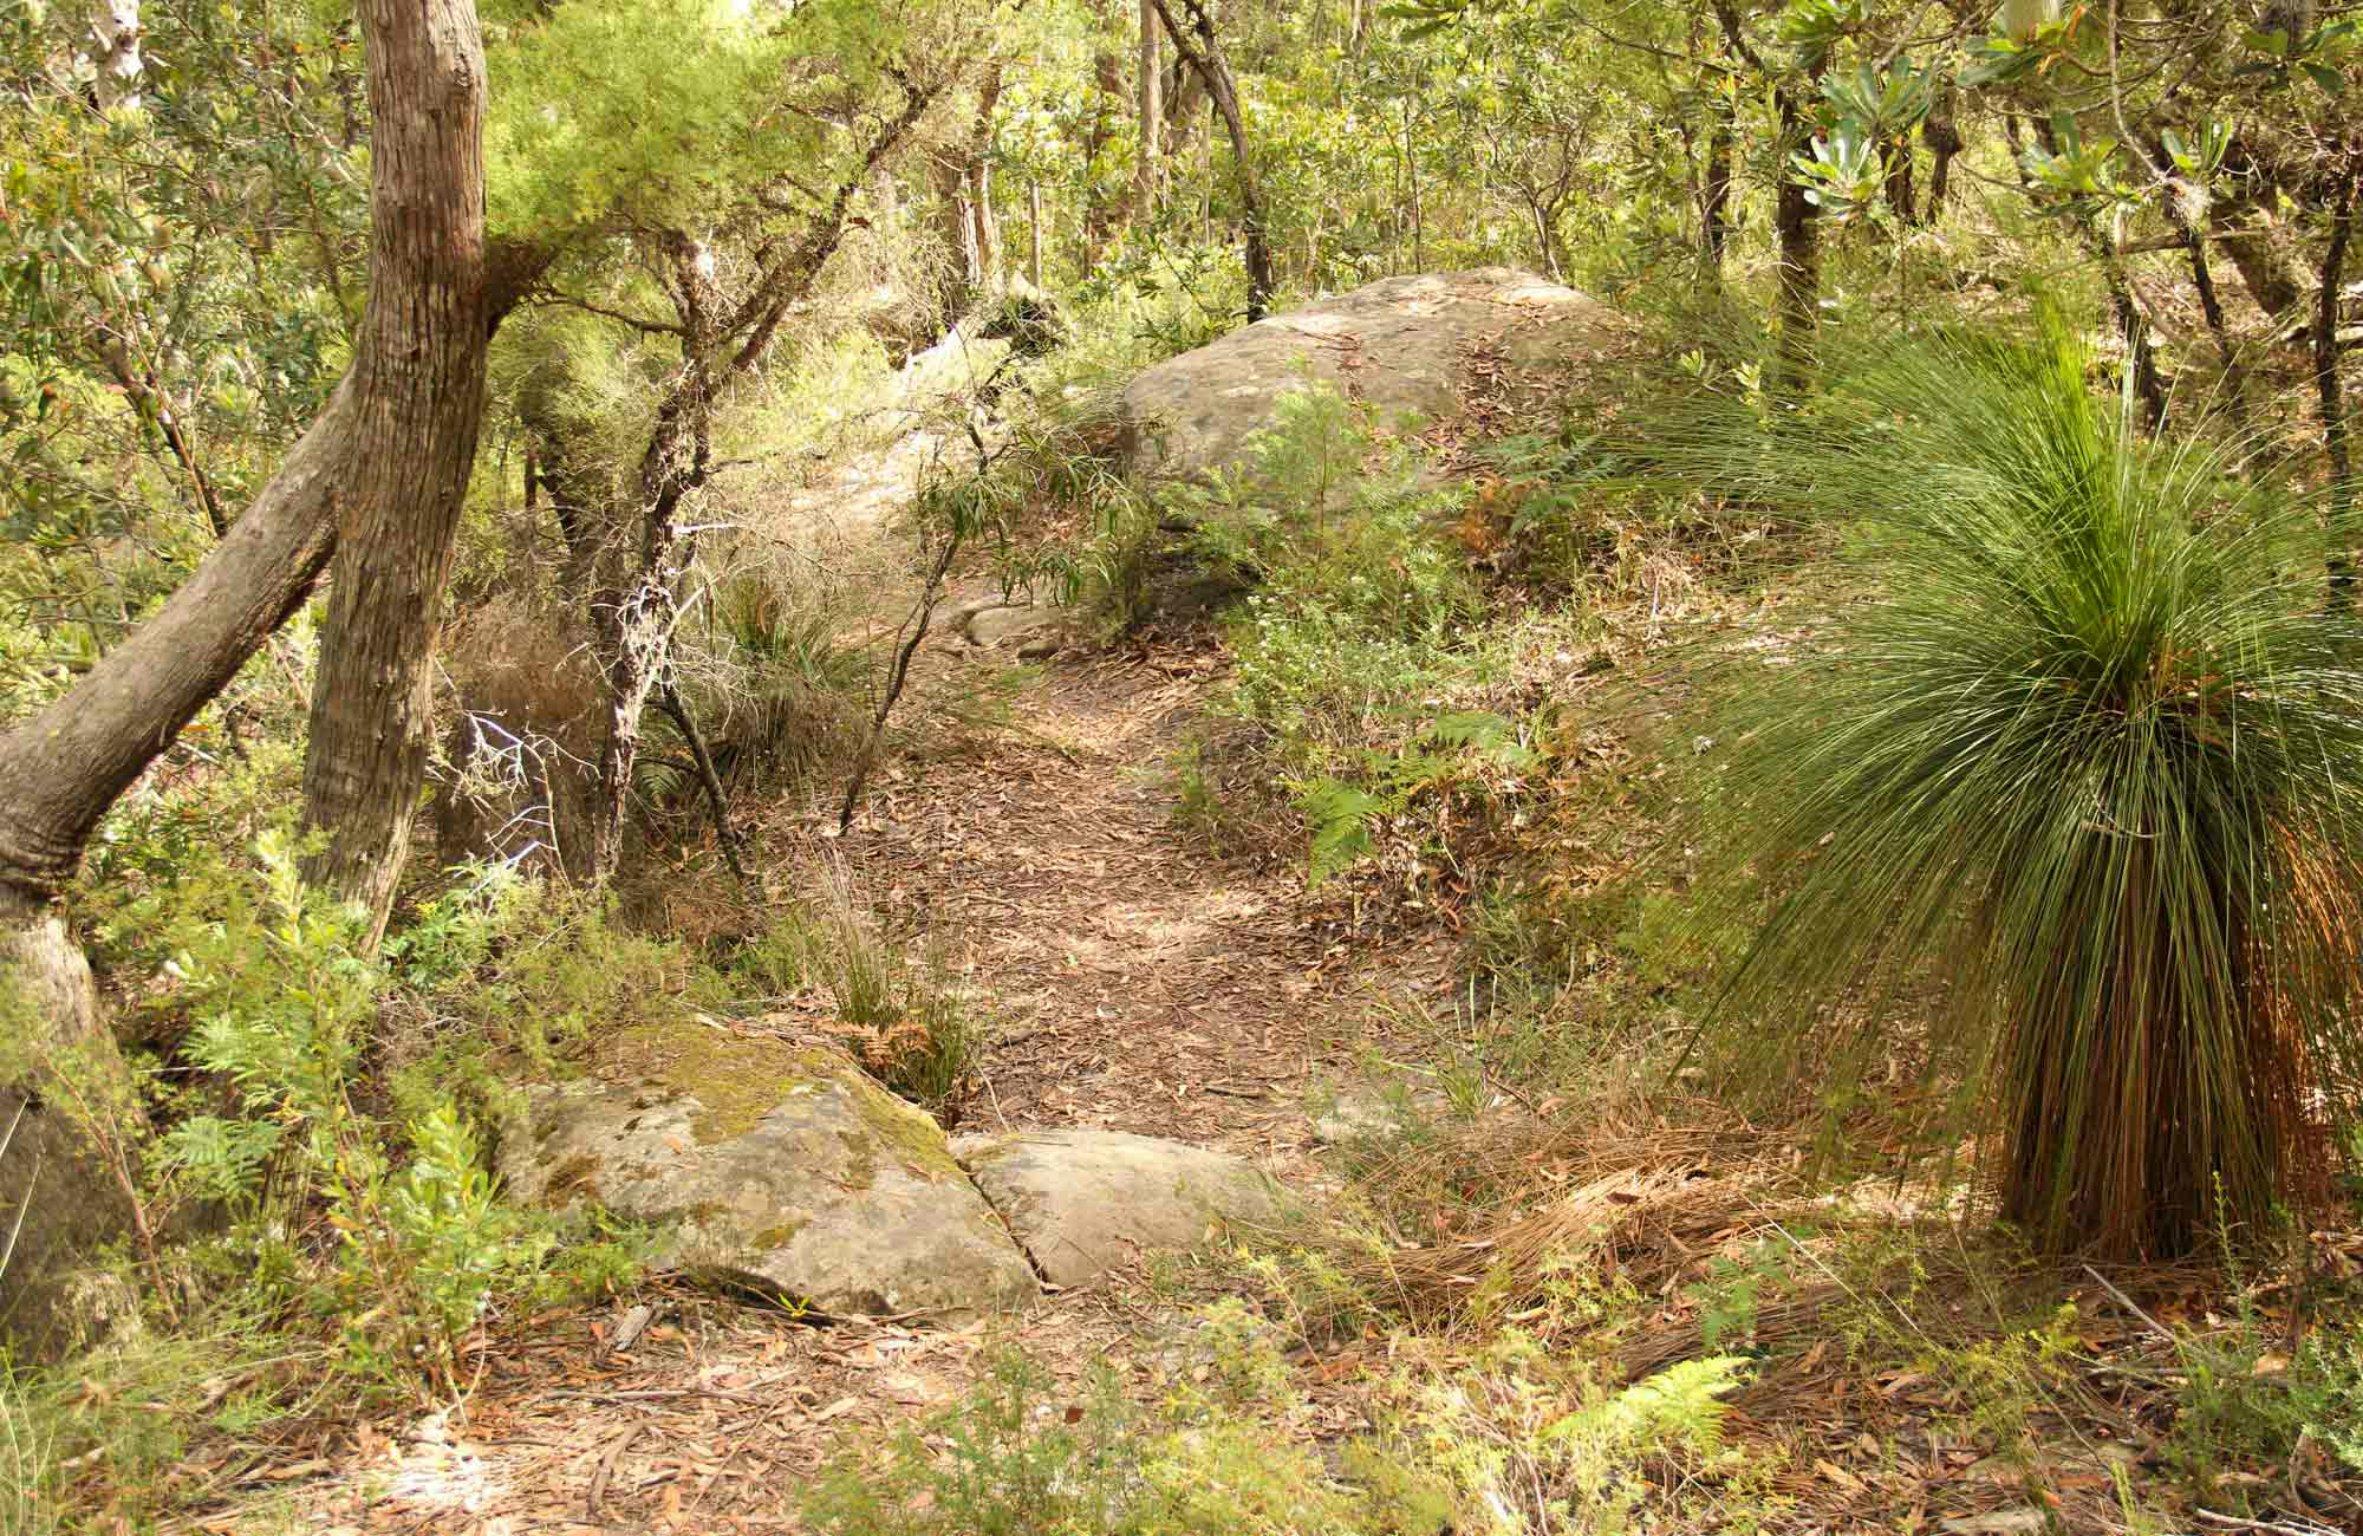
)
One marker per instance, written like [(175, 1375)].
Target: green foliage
[(1021, 1458), (406, 1251), (188, 258), (2077, 776), (658, 109), (2248, 1399), (1527, 1442), (1359, 647), (534, 965)]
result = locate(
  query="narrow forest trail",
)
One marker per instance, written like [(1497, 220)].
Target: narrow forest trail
[(1140, 981), (1137, 981)]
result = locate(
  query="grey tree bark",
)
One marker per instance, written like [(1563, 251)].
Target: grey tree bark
[(419, 376)]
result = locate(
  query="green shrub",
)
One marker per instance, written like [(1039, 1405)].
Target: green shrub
[(1020, 1458), (1525, 1441), (2249, 1400), (533, 964), (2075, 778), (1361, 666), (328, 1210)]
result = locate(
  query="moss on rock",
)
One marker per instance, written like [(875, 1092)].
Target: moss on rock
[(736, 1079)]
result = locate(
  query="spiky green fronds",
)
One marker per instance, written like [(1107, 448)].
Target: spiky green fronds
[(2072, 779)]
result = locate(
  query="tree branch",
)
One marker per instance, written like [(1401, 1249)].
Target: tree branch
[(636, 322), (668, 700)]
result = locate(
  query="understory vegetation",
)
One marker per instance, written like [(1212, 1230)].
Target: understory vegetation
[(1808, 866)]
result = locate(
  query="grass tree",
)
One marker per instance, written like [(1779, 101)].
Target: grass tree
[(2073, 791)]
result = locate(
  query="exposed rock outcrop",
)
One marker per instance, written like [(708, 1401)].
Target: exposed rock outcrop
[(1084, 1202), (1430, 345), (775, 1166)]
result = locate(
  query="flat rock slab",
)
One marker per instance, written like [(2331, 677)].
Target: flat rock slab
[(1085, 1202), (1402, 345), (775, 1166), (1030, 629)]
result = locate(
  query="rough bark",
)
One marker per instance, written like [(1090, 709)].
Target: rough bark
[(635, 622), (419, 377), (2194, 239), (63, 1191), (63, 767)]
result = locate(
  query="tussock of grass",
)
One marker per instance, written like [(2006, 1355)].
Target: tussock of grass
[(2076, 784)]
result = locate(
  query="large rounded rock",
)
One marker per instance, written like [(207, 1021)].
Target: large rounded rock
[(1429, 345), (1085, 1202), (776, 1166)]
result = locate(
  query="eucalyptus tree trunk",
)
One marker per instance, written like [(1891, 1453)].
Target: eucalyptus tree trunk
[(419, 373), (64, 766), (1206, 59)]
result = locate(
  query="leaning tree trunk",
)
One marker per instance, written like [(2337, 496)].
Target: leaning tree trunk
[(420, 377), (1213, 69), (62, 768)]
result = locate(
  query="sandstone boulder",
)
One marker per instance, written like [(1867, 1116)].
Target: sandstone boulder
[(1030, 629), (1430, 344), (780, 1167), (1084, 1202)]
